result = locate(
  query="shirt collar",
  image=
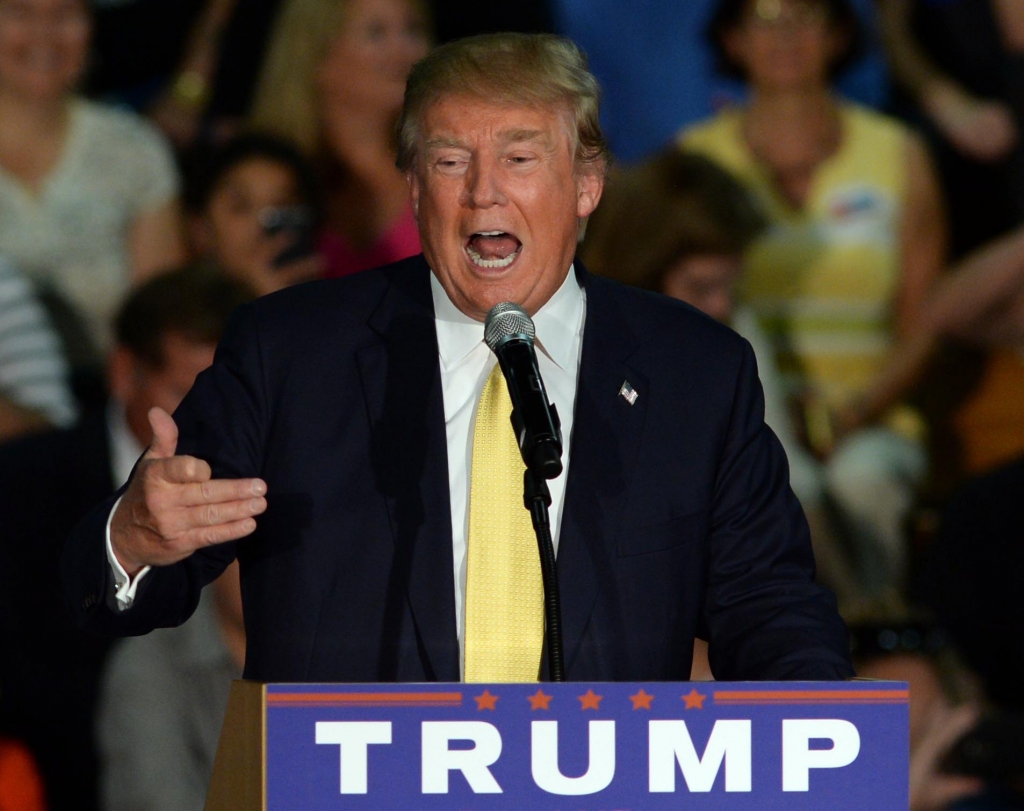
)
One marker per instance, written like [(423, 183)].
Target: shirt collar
[(557, 322), (124, 447)]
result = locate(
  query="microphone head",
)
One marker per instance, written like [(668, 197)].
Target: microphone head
[(507, 320)]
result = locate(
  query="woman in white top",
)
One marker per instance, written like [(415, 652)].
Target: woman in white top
[(88, 194)]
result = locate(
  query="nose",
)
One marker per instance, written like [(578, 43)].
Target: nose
[(484, 187)]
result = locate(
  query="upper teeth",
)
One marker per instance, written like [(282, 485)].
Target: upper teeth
[(490, 233)]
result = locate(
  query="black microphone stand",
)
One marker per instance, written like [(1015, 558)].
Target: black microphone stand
[(537, 499)]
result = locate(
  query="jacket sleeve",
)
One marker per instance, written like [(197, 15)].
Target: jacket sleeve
[(222, 421), (766, 617)]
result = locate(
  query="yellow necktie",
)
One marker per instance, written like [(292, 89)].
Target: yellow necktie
[(504, 590)]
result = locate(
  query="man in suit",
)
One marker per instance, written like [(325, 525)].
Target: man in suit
[(342, 415), (49, 671)]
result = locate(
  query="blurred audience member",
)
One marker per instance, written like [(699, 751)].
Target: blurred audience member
[(181, 106), (21, 787), (87, 193), (34, 389), (960, 67), (333, 85), (679, 225), (166, 333), (657, 73), (976, 307), (253, 209), (972, 579), (191, 64), (982, 307), (948, 769), (162, 702), (855, 243)]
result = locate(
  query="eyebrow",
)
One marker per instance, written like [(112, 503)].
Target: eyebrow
[(514, 136), (521, 135), (444, 143)]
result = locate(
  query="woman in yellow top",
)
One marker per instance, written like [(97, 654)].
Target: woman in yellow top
[(855, 242)]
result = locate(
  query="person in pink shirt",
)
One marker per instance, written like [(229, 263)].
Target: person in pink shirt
[(332, 84)]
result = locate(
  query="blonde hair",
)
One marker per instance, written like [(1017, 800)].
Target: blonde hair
[(287, 101), (507, 69)]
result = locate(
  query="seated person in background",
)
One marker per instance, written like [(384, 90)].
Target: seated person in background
[(87, 193), (981, 306), (332, 84), (958, 71), (166, 334), (971, 579), (950, 769), (34, 389), (253, 209), (976, 307), (163, 698), (855, 242), (678, 224)]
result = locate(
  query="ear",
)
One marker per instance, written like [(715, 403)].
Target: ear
[(589, 186), (414, 191), (122, 370)]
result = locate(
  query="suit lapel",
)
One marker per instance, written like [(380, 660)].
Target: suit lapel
[(606, 436), (409, 451)]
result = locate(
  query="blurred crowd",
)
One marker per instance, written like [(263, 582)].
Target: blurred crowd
[(841, 181)]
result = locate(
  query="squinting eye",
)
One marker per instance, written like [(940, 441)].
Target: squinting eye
[(450, 165)]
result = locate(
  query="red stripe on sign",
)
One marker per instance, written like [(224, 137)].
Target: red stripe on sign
[(322, 705), (365, 699), (811, 696), (809, 701)]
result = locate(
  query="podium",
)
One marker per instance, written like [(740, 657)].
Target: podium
[(563, 747)]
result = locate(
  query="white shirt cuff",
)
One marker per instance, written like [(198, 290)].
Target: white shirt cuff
[(126, 585)]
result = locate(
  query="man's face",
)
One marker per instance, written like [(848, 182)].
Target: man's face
[(498, 198), (139, 386)]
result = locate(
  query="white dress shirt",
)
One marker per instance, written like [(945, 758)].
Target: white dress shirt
[(124, 453), (466, 363), (124, 447)]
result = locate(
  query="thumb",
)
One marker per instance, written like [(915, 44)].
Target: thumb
[(165, 434)]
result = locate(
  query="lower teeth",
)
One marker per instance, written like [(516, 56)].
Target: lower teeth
[(491, 263)]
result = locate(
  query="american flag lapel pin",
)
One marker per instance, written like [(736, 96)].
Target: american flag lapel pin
[(628, 393)]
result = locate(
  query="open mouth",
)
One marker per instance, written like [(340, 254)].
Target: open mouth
[(493, 249)]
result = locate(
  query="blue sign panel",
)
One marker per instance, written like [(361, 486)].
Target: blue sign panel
[(587, 747)]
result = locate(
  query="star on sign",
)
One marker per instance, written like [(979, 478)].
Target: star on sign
[(642, 700), (485, 701), (590, 700), (539, 700), (694, 700)]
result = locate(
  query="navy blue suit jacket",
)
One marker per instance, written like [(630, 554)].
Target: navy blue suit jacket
[(678, 518)]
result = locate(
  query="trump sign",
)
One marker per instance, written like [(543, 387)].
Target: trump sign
[(587, 747)]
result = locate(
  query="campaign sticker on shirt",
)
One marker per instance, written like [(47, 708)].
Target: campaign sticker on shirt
[(860, 214)]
